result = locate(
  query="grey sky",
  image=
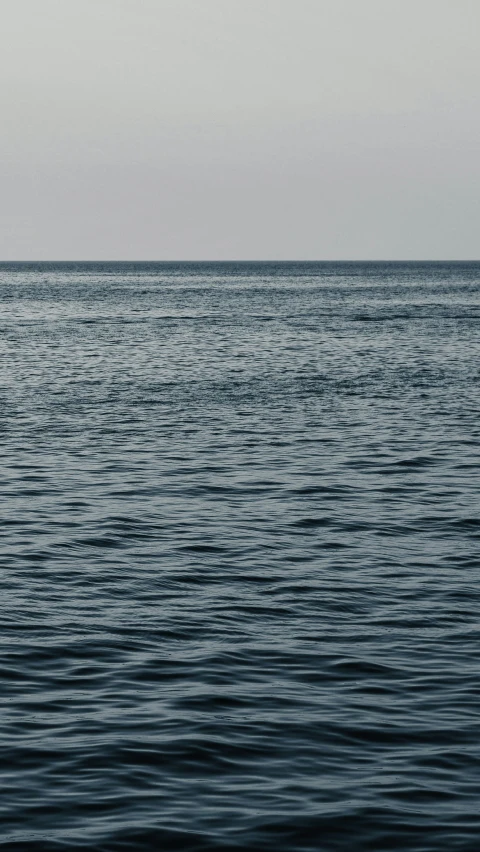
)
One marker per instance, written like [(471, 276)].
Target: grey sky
[(185, 129)]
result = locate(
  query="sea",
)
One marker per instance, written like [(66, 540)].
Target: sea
[(239, 557)]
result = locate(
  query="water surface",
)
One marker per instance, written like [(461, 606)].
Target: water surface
[(240, 557)]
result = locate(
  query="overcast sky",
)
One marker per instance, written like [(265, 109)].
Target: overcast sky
[(216, 129)]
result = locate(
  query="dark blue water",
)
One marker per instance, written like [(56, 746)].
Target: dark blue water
[(240, 574)]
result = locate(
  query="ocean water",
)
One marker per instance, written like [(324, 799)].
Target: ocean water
[(240, 574)]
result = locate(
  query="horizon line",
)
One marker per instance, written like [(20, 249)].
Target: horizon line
[(244, 260)]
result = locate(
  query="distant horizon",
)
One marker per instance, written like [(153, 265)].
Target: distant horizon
[(243, 261)]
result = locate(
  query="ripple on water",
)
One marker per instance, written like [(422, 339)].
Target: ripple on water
[(239, 548)]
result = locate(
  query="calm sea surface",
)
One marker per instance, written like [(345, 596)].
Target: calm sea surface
[(240, 569)]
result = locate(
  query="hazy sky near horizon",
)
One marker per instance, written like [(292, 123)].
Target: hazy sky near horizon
[(246, 129)]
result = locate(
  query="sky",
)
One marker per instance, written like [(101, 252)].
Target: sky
[(239, 129)]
